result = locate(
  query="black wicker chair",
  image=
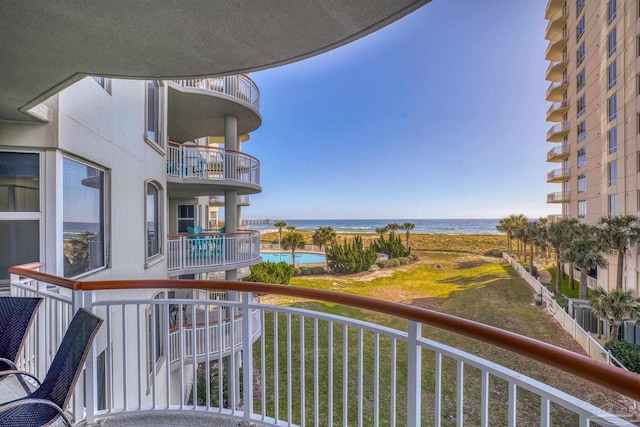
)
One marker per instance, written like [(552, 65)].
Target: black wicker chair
[(16, 316), (48, 402)]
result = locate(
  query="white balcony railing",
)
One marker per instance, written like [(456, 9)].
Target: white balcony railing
[(241, 200), (211, 163), (559, 151), (211, 250), (557, 197), (557, 107), (238, 86), (557, 129), (307, 367), (561, 173)]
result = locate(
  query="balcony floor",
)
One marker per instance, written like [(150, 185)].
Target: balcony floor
[(178, 418)]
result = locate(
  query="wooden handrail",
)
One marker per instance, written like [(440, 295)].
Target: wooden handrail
[(28, 270), (616, 379)]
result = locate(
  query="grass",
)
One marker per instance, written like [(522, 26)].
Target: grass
[(564, 283), (461, 284)]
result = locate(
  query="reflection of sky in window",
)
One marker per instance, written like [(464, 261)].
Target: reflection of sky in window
[(81, 202)]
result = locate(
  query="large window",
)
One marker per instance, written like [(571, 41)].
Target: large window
[(186, 217), (19, 210), (611, 11), (582, 208), (579, 6), (582, 183), (580, 54), (582, 131), (612, 75), (612, 140), (582, 157), (580, 28), (613, 204), (612, 42), (613, 173), (83, 218), (153, 220), (581, 105), (612, 107), (153, 112), (580, 78)]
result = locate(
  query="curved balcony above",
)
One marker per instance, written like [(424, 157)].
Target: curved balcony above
[(558, 154), (556, 45), (195, 170), (556, 69), (556, 90), (557, 132), (209, 252), (556, 19), (558, 175), (557, 197), (197, 107), (242, 200), (557, 109)]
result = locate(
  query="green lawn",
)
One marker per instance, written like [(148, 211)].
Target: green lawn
[(566, 289), (461, 284)]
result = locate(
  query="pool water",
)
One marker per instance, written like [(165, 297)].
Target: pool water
[(301, 257)]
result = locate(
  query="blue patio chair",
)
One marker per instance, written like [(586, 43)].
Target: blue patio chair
[(198, 244), (16, 317), (47, 403)]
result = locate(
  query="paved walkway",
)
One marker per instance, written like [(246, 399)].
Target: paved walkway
[(545, 276)]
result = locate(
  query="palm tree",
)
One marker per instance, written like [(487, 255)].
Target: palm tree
[(513, 227), (615, 306), (381, 230), (293, 241), (290, 228), (323, 236), (392, 227), (586, 253), (280, 225), (408, 226), (559, 235), (618, 233)]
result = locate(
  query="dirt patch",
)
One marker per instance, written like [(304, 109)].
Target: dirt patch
[(392, 293)]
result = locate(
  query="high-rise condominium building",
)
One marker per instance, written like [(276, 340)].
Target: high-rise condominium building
[(594, 89)]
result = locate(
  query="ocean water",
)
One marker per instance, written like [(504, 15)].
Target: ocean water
[(432, 226)]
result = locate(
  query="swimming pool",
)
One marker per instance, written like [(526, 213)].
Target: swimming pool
[(301, 257)]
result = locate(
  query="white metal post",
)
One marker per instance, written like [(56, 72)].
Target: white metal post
[(414, 374), (247, 357)]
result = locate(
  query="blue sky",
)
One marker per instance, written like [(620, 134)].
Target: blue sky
[(439, 115)]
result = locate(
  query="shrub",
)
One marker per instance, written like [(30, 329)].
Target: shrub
[(627, 353), (388, 263), (271, 272), (350, 257), (413, 257), (403, 260), (392, 246), (306, 271), (317, 270)]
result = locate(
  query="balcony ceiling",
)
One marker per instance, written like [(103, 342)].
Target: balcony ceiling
[(194, 113), (46, 46)]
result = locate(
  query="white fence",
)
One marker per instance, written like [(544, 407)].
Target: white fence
[(582, 337)]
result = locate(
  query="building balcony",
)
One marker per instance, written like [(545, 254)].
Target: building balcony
[(552, 7), (209, 252), (195, 170), (556, 69), (557, 197), (558, 154), (557, 132), (151, 358), (556, 110), (558, 175), (197, 107), (556, 19), (556, 46), (556, 218), (219, 201), (556, 90)]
